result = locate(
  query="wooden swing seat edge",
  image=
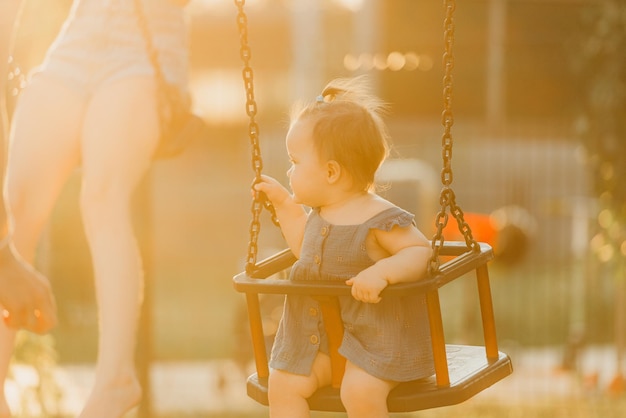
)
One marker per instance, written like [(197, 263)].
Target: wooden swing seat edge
[(470, 373)]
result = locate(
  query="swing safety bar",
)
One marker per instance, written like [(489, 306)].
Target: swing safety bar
[(461, 371)]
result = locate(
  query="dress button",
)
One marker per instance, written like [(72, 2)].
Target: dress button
[(314, 339), (312, 311), (316, 259), (324, 231)]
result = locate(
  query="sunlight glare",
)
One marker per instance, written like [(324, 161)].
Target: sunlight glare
[(606, 253), (217, 95), (605, 218), (352, 5), (350, 62), (366, 61), (380, 62), (20, 388), (219, 7), (412, 61), (396, 61)]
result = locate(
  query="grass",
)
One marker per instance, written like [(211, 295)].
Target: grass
[(556, 408)]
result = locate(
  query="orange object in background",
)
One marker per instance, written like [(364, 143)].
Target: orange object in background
[(508, 230)]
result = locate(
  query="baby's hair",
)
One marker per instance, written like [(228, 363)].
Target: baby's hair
[(348, 127)]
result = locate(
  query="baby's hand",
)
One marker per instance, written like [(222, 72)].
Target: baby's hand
[(275, 192), (366, 286)]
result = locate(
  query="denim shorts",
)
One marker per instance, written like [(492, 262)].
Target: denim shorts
[(101, 41)]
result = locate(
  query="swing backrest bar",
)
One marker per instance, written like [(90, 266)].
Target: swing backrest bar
[(463, 262)]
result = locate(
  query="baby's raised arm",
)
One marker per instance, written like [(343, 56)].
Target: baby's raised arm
[(291, 215), (409, 253)]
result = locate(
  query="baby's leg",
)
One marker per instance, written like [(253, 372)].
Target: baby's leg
[(288, 392), (364, 395)]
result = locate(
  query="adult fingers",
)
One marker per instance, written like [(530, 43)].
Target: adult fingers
[(34, 320), (39, 316), (45, 310)]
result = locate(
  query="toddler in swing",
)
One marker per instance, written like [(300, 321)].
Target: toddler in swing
[(353, 236)]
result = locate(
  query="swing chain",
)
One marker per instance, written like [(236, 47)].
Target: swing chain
[(447, 118), (259, 200), (447, 198)]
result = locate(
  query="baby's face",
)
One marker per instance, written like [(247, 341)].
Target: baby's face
[(307, 173)]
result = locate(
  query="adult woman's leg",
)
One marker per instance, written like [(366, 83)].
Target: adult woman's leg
[(119, 135), (43, 152)]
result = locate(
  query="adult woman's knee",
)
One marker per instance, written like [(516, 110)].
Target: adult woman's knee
[(101, 202)]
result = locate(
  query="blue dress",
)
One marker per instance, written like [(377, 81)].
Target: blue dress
[(389, 340)]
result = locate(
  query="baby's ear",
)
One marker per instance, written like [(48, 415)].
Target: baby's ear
[(333, 171)]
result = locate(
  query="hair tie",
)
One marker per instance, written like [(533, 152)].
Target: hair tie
[(319, 99)]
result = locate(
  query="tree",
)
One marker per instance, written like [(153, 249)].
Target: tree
[(601, 64)]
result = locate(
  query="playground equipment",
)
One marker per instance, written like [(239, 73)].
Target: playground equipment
[(461, 371)]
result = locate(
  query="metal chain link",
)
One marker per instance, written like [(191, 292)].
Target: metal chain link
[(447, 198), (259, 200)]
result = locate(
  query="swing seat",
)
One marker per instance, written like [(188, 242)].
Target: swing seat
[(461, 371)]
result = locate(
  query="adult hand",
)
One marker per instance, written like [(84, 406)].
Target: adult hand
[(25, 294)]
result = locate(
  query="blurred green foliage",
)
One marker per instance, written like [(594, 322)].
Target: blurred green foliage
[(601, 66)]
